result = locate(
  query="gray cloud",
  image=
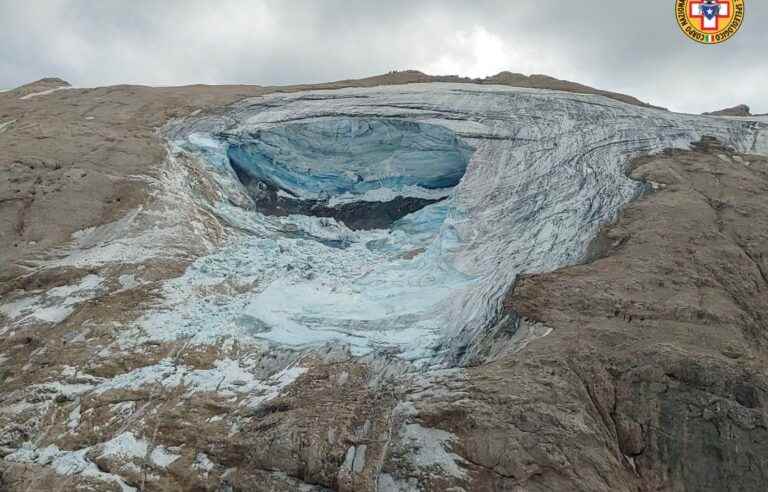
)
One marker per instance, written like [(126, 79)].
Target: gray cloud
[(626, 46)]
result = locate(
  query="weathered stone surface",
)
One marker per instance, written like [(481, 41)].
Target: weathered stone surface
[(674, 314), (739, 110)]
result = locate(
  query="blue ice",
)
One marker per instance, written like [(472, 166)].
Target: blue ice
[(324, 158)]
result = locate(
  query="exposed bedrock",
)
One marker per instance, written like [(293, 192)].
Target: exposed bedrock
[(740, 110), (667, 330)]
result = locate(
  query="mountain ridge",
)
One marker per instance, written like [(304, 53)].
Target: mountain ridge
[(511, 79)]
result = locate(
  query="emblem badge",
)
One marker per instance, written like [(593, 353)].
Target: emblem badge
[(709, 21)]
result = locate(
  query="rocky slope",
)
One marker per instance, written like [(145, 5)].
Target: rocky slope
[(213, 288), (740, 110), (666, 328)]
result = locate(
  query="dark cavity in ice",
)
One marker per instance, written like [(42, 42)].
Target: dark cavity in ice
[(366, 173)]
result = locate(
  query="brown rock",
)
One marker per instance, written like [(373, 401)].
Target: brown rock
[(740, 110)]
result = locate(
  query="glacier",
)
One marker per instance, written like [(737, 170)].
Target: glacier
[(470, 186)]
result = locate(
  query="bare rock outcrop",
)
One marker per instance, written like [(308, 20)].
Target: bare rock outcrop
[(674, 316), (538, 81), (740, 110), (535, 81)]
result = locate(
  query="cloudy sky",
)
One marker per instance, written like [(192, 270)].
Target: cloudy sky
[(631, 46)]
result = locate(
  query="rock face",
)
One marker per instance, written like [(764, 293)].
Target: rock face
[(666, 329), (41, 87), (536, 81), (535, 302), (740, 110)]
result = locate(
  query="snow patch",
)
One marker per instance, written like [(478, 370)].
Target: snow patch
[(73, 422), (171, 226), (128, 446), (203, 463), (123, 241), (128, 281), (388, 194), (54, 305), (66, 463), (226, 377), (45, 93), (431, 448), (162, 457), (6, 125)]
